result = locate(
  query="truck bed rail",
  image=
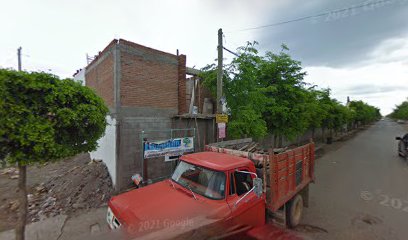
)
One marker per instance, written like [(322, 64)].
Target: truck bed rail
[(284, 174)]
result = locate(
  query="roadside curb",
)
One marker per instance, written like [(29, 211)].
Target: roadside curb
[(63, 227), (321, 147), (49, 228)]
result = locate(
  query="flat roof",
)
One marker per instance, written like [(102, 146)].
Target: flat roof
[(216, 161)]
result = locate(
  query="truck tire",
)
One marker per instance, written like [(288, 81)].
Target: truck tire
[(294, 211)]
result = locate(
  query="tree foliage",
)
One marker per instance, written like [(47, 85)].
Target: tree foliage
[(267, 94), (45, 118), (364, 113), (400, 111)]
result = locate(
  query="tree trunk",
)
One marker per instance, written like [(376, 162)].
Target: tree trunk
[(313, 133), (323, 135), (280, 141), (20, 228), (275, 140)]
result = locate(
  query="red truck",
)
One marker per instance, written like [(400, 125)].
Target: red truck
[(220, 193)]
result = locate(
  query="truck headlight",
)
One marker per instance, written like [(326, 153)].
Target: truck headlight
[(112, 220)]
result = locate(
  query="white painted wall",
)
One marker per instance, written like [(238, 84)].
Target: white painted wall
[(107, 148), (80, 76)]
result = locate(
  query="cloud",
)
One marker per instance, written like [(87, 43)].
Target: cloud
[(380, 84), (390, 50), (335, 40), (369, 89)]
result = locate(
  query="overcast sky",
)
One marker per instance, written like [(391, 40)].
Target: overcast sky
[(361, 52)]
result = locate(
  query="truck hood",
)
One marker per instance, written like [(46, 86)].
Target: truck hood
[(160, 205)]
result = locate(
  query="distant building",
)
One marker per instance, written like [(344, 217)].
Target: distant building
[(79, 76)]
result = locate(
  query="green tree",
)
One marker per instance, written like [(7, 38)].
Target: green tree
[(288, 110), (245, 96), (400, 111), (364, 113), (267, 94), (319, 103), (45, 119)]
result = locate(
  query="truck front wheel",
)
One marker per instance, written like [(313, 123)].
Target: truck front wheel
[(294, 211)]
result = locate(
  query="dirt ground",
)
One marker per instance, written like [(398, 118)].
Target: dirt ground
[(70, 187)]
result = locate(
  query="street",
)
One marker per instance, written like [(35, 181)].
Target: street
[(361, 189)]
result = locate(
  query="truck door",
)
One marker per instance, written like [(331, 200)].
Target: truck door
[(245, 209)]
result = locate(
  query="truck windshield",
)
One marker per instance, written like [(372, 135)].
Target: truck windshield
[(208, 183)]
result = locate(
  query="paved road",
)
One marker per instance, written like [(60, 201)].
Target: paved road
[(361, 190)]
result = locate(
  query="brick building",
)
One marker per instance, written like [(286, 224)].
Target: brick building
[(145, 90)]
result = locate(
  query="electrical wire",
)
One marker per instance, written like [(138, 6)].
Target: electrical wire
[(233, 53), (315, 16)]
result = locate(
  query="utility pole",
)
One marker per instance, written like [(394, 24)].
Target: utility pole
[(220, 72), (19, 58), (22, 183)]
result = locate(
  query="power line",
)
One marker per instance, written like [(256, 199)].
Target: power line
[(317, 15), (233, 53)]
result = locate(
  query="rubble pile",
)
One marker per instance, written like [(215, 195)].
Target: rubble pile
[(81, 187), (63, 187), (11, 172)]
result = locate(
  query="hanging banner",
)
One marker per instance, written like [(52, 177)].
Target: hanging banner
[(171, 147), (221, 130)]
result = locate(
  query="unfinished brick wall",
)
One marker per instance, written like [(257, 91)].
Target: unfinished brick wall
[(182, 106), (147, 83), (99, 76), (144, 88)]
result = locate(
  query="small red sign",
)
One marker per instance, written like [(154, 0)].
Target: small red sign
[(221, 130)]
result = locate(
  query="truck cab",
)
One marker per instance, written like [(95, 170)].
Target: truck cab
[(218, 193), (207, 190)]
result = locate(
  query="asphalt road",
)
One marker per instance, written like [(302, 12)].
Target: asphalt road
[(361, 189)]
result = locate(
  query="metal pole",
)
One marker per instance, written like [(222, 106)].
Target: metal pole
[(19, 58), (220, 72), (195, 140), (143, 163)]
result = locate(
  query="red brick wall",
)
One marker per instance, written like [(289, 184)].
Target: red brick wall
[(148, 83), (100, 78), (148, 77), (182, 106)]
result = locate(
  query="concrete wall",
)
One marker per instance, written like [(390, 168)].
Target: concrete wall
[(205, 129), (156, 124), (133, 121), (144, 89), (107, 148), (319, 135)]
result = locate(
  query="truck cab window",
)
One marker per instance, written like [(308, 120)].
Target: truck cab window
[(243, 182), (206, 182)]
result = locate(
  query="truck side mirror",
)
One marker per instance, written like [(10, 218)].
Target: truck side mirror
[(258, 188), (398, 138)]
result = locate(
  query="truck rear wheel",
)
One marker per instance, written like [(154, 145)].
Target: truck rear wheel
[(294, 211)]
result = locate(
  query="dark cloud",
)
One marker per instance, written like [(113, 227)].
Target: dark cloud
[(369, 89), (337, 40)]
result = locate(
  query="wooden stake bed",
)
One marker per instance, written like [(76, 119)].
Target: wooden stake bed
[(284, 174)]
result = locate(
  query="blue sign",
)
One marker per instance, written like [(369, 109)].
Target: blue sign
[(171, 147)]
